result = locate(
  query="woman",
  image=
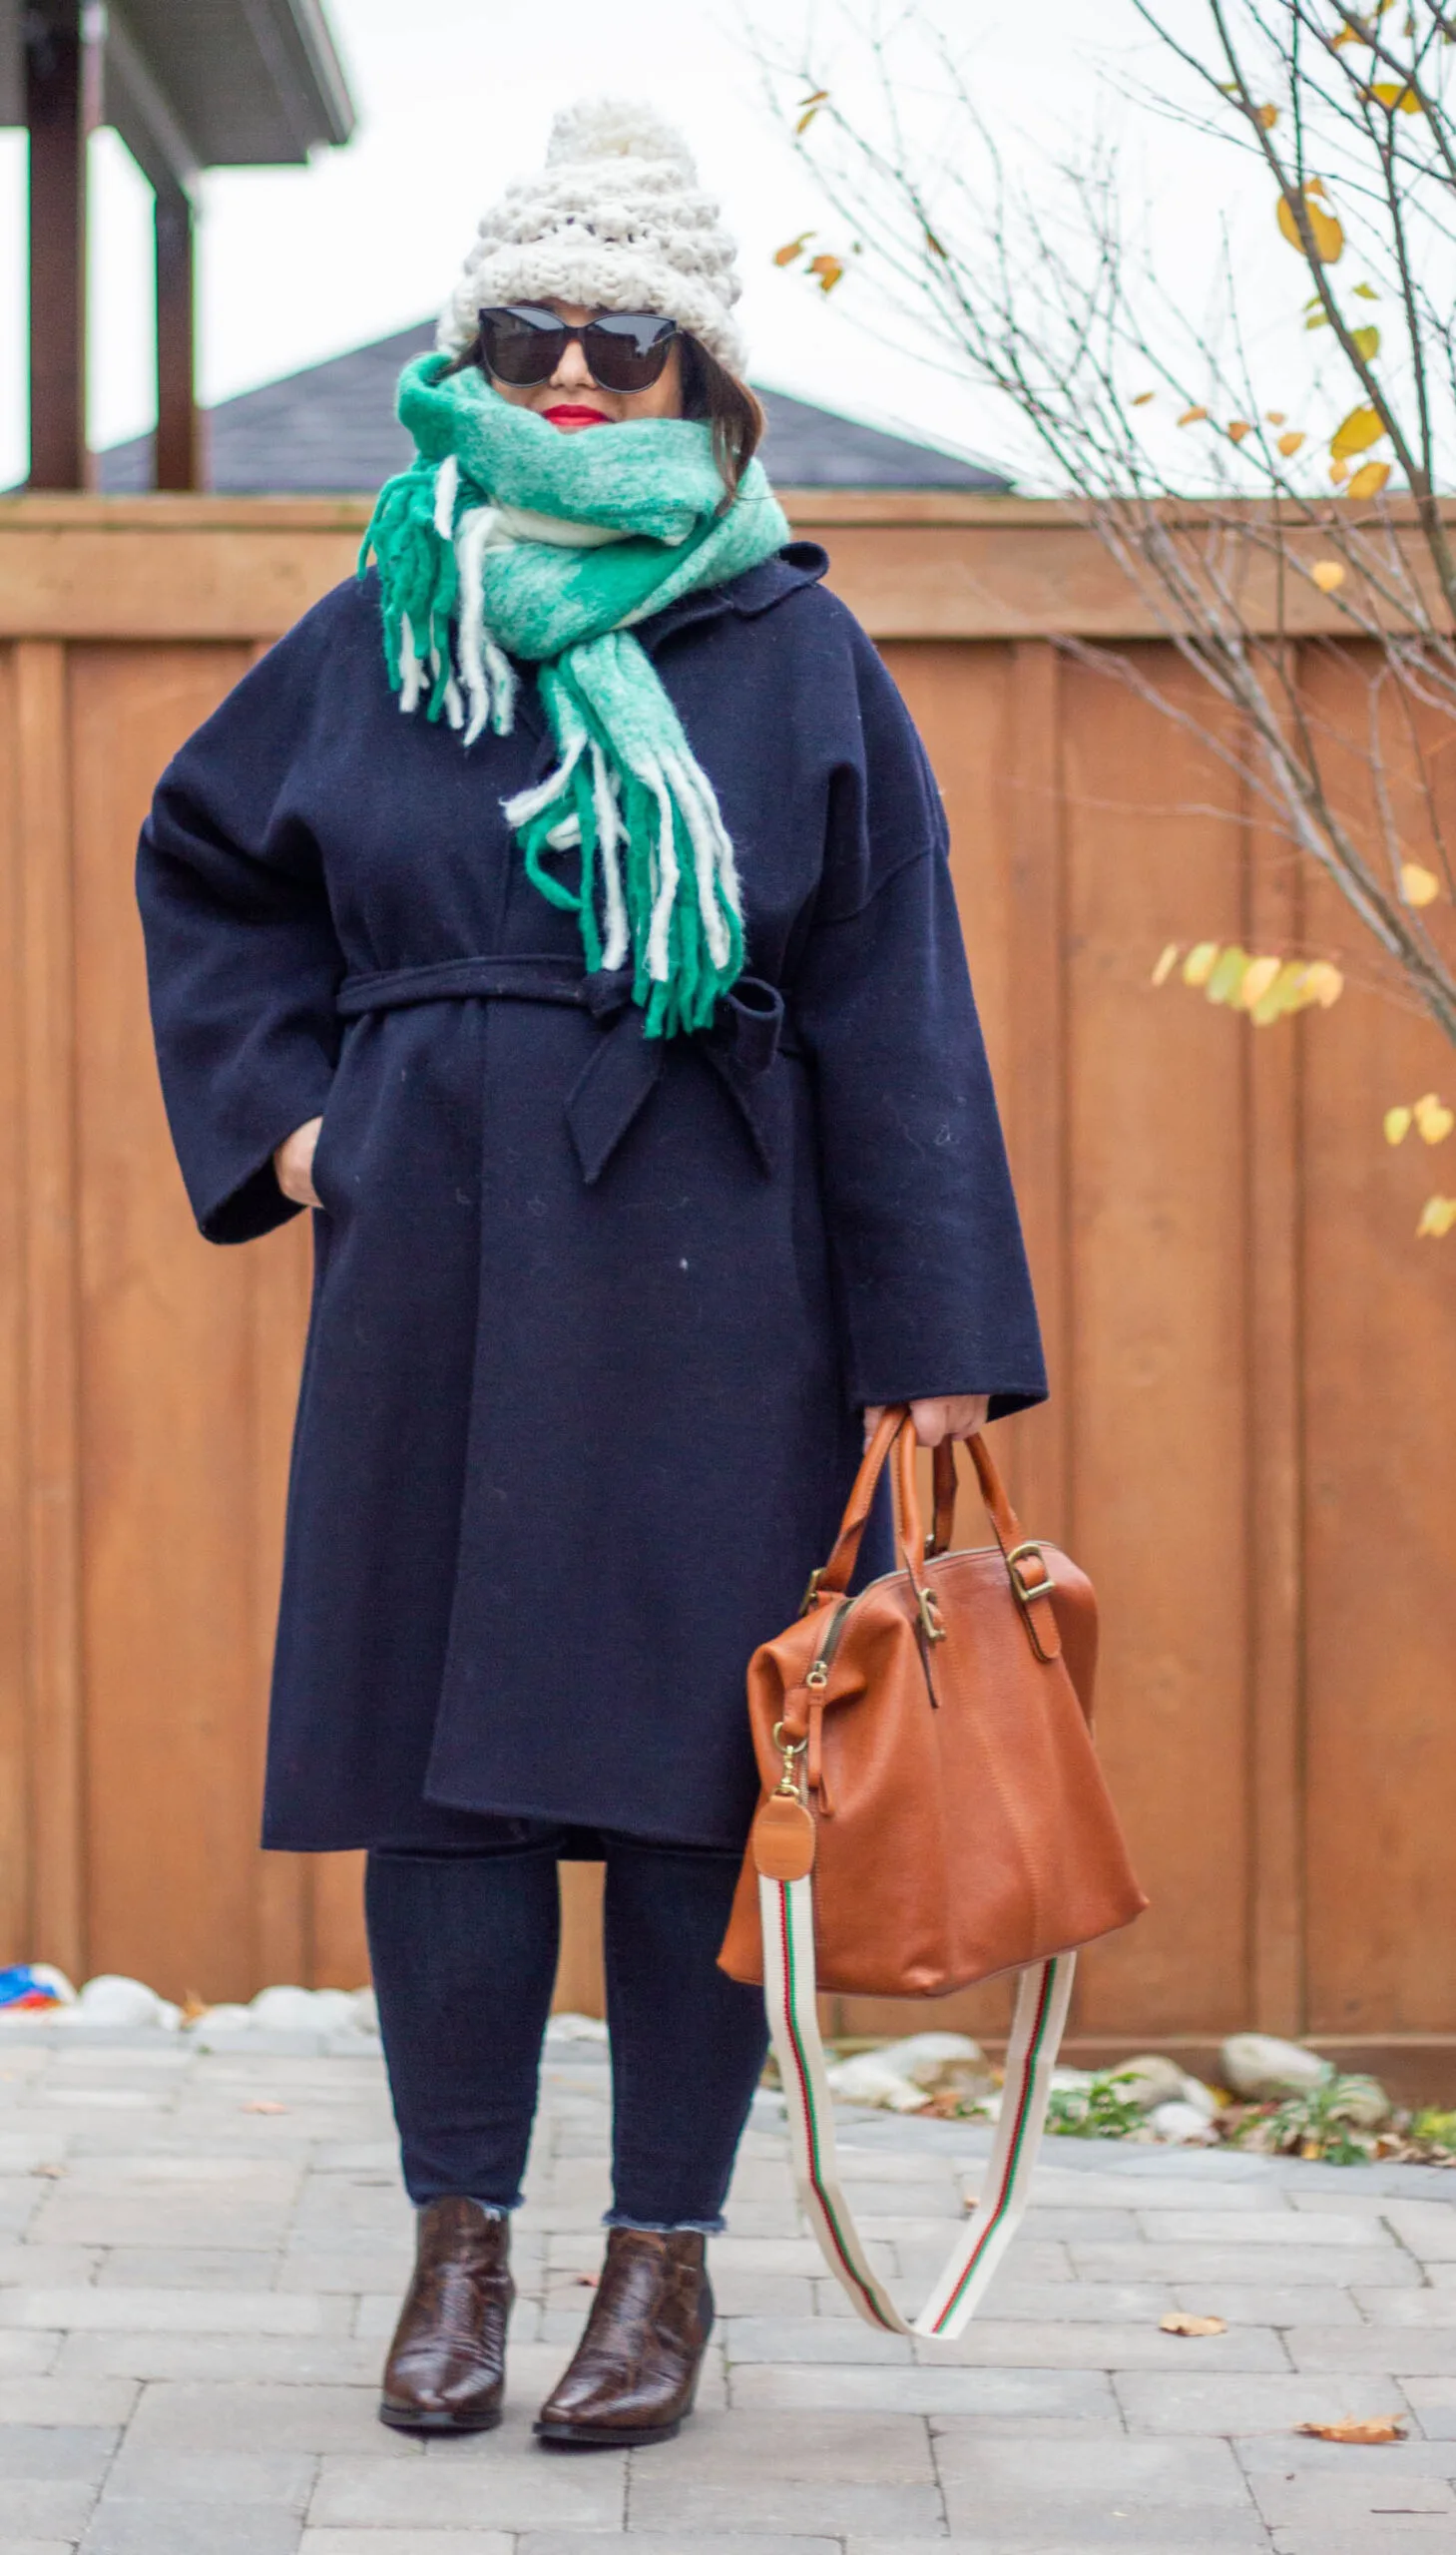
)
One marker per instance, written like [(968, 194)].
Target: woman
[(610, 1010)]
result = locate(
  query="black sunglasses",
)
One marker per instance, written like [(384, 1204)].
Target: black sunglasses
[(626, 351)]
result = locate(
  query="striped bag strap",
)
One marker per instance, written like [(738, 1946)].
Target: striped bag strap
[(789, 1988)]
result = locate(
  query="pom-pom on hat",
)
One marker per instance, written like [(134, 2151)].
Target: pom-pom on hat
[(616, 221)]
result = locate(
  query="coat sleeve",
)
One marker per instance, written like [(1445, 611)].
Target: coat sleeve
[(242, 961), (934, 1292)]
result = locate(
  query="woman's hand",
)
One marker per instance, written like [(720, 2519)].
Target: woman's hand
[(958, 1415), (294, 1167)]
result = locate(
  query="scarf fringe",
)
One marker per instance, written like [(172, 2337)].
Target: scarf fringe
[(658, 879)]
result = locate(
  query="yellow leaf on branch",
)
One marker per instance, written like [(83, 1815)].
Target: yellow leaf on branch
[(1328, 574), (1339, 471), (1366, 343), (1192, 416), (1273, 416), (826, 272), (1268, 117), (1198, 965), (793, 249), (1143, 398), (1239, 428), (1396, 96), (1438, 1217), (1290, 443), (1259, 976), (1323, 983), (1229, 969), (1418, 885), (1434, 1121), (1398, 1125), (1166, 965), (1327, 240), (1357, 432), (1366, 291), (1285, 995), (1369, 479)]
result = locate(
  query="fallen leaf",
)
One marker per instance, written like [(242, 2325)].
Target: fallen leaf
[(1357, 432), (1369, 479), (1378, 2433), (1192, 416), (1166, 965), (1290, 443), (1419, 887), (1194, 2326), (791, 249), (1396, 1123), (265, 2106), (1438, 1215)]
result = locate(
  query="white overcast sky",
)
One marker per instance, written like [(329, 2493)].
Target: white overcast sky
[(454, 96)]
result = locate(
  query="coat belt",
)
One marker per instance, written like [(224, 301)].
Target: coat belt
[(747, 1035)]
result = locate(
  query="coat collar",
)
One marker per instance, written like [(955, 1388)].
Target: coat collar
[(758, 590)]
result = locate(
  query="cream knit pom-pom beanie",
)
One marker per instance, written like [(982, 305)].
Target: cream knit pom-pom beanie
[(616, 221)]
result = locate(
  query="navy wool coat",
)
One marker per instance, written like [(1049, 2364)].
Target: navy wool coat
[(593, 1315)]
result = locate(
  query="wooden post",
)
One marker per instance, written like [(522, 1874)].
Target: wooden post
[(55, 111), (179, 453)]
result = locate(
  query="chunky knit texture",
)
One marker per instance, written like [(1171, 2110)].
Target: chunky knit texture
[(616, 221), (507, 539)]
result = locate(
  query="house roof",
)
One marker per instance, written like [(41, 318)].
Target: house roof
[(206, 84), (332, 429)]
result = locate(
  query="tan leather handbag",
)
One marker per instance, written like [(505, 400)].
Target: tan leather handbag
[(932, 1814)]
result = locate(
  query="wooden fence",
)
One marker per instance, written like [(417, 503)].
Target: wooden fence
[(1252, 1445)]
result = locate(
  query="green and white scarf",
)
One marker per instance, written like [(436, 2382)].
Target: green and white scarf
[(506, 538)]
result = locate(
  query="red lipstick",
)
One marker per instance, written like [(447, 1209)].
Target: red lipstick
[(570, 417)]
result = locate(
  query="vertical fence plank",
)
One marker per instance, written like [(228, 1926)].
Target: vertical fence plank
[(280, 1271), (1276, 1682), (1036, 1110), (15, 1839), (47, 1004), (1156, 1143)]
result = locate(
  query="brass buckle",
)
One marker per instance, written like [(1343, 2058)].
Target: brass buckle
[(1027, 1589), (929, 1613), (790, 1749)]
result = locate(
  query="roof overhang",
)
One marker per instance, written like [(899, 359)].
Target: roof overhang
[(204, 84)]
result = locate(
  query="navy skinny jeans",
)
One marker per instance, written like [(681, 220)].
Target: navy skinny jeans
[(464, 1944)]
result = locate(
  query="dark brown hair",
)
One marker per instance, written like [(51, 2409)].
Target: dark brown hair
[(710, 394)]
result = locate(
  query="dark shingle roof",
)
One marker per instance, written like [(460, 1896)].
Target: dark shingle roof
[(332, 429)]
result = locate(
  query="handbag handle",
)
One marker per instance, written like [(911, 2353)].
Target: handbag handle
[(1026, 1564)]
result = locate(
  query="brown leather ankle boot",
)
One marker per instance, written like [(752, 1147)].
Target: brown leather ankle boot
[(446, 2369), (635, 2374)]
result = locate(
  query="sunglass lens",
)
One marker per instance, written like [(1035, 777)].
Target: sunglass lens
[(522, 345), (627, 349)]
